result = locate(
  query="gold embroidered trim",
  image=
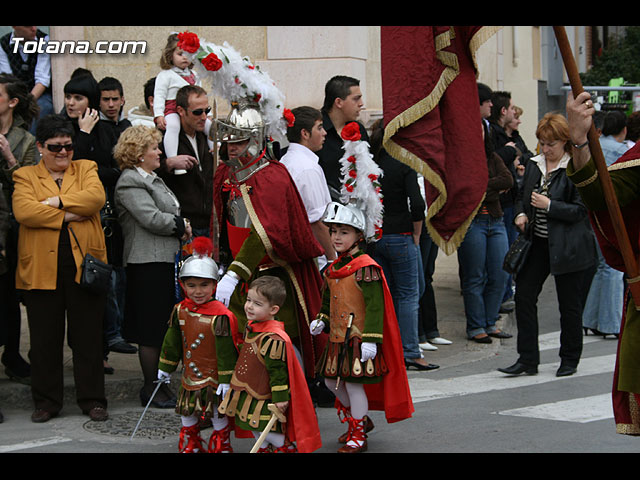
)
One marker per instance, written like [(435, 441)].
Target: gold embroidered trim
[(371, 335), (279, 388), (588, 181), (622, 165), (242, 266)]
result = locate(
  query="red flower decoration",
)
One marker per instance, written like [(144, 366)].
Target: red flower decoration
[(188, 41), (353, 173), (351, 159), (289, 117), (211, 62), (351, 131), (373, 177), (349, 188)]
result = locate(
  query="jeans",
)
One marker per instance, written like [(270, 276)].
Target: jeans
[(45, 102), (481, 255), (428, 315), (604, 308), (397, 254)]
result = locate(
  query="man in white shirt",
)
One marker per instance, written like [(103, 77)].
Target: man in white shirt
[(305, 137), (34, 68)]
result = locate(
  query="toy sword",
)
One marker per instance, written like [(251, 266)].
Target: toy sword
[(276, 414), (344, 349), (159, 384)]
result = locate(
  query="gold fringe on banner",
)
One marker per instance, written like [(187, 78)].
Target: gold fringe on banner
[(422, 108)]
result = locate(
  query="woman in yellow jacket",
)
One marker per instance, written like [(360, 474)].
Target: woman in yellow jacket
[(49, 199)]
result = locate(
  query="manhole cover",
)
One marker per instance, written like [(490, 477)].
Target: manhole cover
[(154, 425)]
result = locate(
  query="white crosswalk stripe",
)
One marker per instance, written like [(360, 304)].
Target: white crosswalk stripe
[(424, 390), (33, 444), (582, 410)]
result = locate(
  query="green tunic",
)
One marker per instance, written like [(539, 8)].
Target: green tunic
[(372, 292), (201, 401)]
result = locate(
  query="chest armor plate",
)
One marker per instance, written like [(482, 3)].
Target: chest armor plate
[(346, 298), (251, 374), (199, 350)]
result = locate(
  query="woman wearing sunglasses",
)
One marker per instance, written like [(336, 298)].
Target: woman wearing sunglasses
[(49, 200)]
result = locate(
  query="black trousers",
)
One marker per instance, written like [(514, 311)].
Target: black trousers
[(48, 311), (571, 289)]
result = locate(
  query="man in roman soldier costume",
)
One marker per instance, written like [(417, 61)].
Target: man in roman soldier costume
[(263, 227), (260, 218), (625, 179)]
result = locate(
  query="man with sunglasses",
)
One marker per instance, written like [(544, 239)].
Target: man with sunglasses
[(193, 187)]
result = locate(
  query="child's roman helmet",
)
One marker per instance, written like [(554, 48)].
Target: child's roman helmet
[(346, 215), (200, 264)]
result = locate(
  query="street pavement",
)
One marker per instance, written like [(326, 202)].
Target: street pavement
[(465, 406)]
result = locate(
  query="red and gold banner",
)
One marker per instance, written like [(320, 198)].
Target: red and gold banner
[(432, 119)]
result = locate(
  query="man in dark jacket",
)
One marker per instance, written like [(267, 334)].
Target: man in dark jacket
[(502, 113), (108, 131), (195, 186)]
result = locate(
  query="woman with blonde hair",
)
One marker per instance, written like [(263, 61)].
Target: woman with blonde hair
[(563, 245), (153, 228)]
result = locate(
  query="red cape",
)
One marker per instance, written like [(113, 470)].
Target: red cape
[(283, 219), (302, 424), (392, 394)]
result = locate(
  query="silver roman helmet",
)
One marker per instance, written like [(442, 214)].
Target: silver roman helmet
[(244, 122), (199, 266), (348, 214)]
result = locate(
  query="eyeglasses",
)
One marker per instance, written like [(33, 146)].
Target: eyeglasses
[(56, 148), (199, 111)]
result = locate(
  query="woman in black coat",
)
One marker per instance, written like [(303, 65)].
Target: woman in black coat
[(563, 245)]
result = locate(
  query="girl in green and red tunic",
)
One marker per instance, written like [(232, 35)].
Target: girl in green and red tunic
[(363, 363)]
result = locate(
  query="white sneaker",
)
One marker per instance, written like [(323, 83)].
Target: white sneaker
[(440, 341), (427, 346)]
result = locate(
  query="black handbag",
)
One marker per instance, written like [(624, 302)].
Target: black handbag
[(517, 254), (96, 275)]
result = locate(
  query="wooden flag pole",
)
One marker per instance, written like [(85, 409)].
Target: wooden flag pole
[(631, 265)]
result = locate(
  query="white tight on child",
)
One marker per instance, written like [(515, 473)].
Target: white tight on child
[(171, 135), (219, 423), (273, 438), (350, 395)]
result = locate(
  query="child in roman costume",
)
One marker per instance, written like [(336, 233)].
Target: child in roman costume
[(363, 362), (268, 372), (203, 335)]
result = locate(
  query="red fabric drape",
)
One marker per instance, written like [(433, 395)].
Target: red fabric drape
[(432, 119)]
